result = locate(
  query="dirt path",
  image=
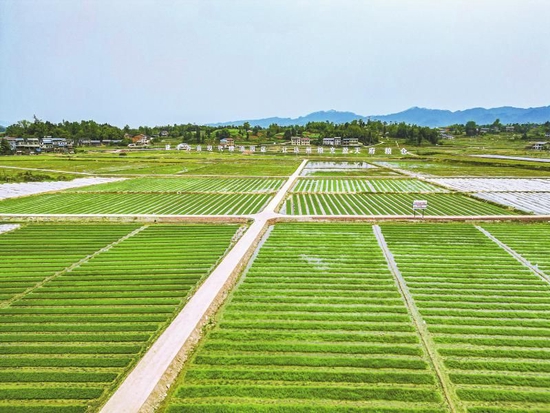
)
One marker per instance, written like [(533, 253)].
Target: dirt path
[(147, 384), (425, 337), (545, 277)]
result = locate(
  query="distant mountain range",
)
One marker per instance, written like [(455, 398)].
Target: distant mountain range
[(415, 115)]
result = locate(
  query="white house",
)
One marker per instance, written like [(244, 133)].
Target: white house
[(300, 140), (336, 141)]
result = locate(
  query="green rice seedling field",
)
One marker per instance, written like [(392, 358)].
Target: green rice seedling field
[(387, 204), (33, 253), (68, 337), (137, 203), (314, 185), (159, 162), (468, 166), (488, 314), (232, 185), (532, 242), (317, 324)]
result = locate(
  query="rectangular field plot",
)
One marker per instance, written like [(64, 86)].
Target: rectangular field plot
[(137, 203), (488, 314), (71, 338), (222, 185), (33, 253), (313, 185), (531, 241), (495, 184), (468, 168), (387, 204), (535, 202), (317, 324)]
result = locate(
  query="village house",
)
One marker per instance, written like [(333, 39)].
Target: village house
[(141, 140), (336, 141), (350, 142), (226, 142), (300, 140), (26, 145), (49, 144), (510, 128), (539, 146)]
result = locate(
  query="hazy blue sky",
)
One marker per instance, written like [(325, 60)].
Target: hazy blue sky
[(158, 62)]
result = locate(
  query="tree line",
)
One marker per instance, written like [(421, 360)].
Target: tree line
[(368, 133)]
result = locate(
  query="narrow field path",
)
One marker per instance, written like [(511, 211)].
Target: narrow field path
[(146, 385), (425, 337), (545, 277)]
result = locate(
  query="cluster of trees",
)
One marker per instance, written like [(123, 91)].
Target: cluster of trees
[(69, 130), (471, 128), (371, 132), (91, 130), (5, 148), (368, 133)]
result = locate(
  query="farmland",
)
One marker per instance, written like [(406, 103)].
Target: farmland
[(495, 184), (158, 196), (533, 202), (529, 195), (530, 241), (317, 321), (216, 185), (488, 314), (313, 324), (157, 162), (81, 303), (469, 167), (137, 203), (388, 204), (313, 185)]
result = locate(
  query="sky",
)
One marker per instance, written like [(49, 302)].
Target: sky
[(160, 62)]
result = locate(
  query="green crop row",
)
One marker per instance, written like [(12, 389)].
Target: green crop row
[(53, 248), (284, 324), (88, 326), (136, 203), (315, 185), (388, 204), (186, 185), (530, 241), (491, 328)]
